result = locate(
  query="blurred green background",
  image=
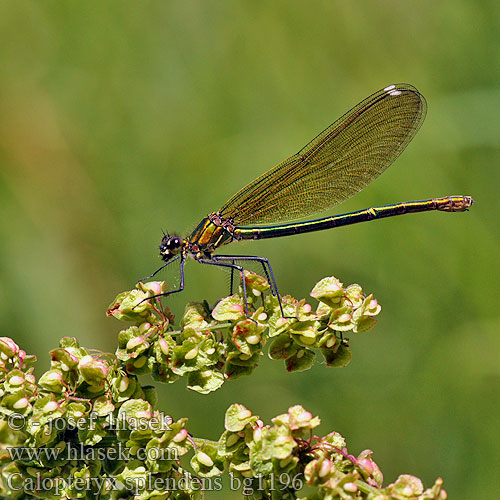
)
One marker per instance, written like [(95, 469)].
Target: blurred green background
[(118, 119)]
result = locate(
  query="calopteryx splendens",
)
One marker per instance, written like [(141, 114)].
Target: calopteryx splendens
[(334, 166)]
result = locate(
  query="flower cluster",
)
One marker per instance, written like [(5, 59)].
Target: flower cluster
[(212, 345), (278, 460), (87, 428)]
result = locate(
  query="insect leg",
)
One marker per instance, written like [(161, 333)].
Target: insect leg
[(159, 269), (269, 275), (232, 279), (261, 260), (213, 262), (170, 292)]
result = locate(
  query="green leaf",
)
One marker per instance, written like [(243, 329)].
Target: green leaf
[(338, 358), (302, 360), (270, 443), (205, 381), (335, 439), (341, 319), (238, 417), (133, 411), (329, 290), (64, 357), (131, 306), (365, 324), (134, 471), (233, 371), (255, 282), (230, 443), (231, 308), (406, 486), (193, 355), (93, 370), (195, 316), (93, 432), (297, 418), (304, 332), (282, 347), (353, 295), (206, 461), (364, 316), (102, 406), (247, 336)]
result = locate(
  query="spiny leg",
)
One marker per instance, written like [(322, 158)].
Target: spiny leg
[(232, 279), (269, 275), (232, 266), (233, 258), (231, 287), (170, 292), (261, 260), (159, 269)]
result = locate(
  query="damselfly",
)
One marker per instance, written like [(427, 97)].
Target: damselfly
[(334, 166)]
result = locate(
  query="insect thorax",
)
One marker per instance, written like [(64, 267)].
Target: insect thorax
[(211, 233)]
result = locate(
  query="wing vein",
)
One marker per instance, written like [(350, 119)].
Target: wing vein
[(336, 164)]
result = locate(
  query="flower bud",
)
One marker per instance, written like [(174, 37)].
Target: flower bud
[(232, 440), (204, 459), (94, 371), (350, 487), (16, 380), (163, 346), (52, 380), (134, 342), (325, 468), (192, 353), (50, 407), (244, 414), (8, 347), (180, 436), (20, 404)]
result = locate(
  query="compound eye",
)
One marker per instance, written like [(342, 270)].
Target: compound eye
[(176, 242)]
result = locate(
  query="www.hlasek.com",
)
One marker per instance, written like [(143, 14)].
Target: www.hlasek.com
[(90, 422), (247, 486), (81, 452)]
